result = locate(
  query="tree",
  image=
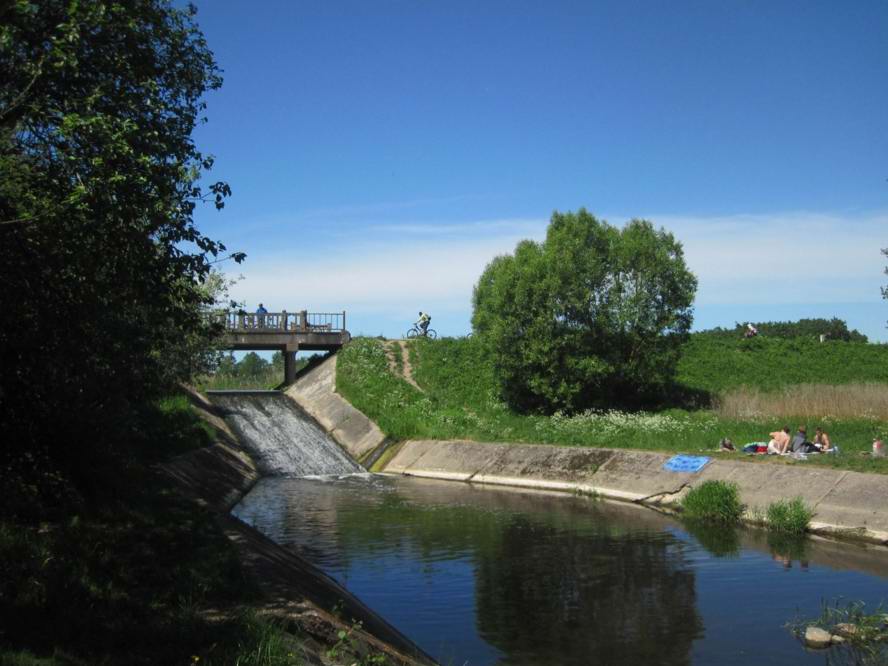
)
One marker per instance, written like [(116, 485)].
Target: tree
[(102, 269), (593, 316)]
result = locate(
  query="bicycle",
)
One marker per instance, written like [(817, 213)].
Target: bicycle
[(416, 332)]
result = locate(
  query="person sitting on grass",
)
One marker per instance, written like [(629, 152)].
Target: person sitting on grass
[(800, 443), (779, 443), (821, 441)]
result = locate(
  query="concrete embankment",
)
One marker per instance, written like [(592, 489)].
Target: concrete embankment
[(847, 504), (295, 592), (315, 392)]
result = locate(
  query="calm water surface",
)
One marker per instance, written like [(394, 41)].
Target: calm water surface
[(478, 575)]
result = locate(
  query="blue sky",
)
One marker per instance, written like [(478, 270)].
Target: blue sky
[(381, 153)]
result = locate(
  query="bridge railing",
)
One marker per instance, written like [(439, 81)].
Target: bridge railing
[(295, 322)]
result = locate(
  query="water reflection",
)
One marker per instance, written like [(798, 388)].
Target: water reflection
[(589, 597), (480, 575), (719, 540)]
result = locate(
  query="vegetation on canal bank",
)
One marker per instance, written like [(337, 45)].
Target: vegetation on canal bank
[(789, 517), (460, 400), (135, 573), (859, 636), (713, 502)]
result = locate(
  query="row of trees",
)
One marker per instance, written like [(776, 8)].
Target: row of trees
[(833, 329), (103, 272)]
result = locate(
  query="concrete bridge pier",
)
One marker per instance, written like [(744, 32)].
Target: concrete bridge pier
[(290, 362)]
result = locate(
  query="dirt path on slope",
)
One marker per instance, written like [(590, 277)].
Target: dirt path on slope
[(406, 370)]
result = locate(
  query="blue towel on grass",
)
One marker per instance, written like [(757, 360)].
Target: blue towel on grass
[(685, 463)]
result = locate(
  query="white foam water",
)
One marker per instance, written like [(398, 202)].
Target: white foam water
[(285, 440)]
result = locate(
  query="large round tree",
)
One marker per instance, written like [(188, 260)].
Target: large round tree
[(594, 316)]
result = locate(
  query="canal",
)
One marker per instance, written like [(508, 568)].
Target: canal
[(479, 576)]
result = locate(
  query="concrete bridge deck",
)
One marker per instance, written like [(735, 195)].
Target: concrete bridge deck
[(287, 332)]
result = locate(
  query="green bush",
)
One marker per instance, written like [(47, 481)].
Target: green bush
[(714, 501), (789, 516)]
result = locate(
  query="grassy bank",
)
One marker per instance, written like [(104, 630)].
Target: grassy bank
[(133, 573), (719, 364), (460, 401)]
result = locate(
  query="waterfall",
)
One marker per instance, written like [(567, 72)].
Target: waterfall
[(285, 440)]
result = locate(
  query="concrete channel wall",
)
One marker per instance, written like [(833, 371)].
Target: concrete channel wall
[(315, 392), (847, 504)]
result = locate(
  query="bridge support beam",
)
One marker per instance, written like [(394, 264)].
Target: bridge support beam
[(290, 363)]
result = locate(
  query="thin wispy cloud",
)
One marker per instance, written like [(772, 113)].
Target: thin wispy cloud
[(530, 226), (790, 257), (380, 207)]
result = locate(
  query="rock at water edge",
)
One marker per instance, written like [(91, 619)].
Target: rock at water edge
[(816, 637)]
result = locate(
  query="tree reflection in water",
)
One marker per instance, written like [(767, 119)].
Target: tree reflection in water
[(590, 597)]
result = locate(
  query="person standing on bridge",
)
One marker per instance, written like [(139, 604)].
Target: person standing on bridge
[(423, 322), (261, 312)]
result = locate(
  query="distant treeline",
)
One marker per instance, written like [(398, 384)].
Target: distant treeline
[(832, 329), (251, 372), (717, 362)]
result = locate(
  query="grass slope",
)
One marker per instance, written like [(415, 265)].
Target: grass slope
[(715, 363), (460, 402)]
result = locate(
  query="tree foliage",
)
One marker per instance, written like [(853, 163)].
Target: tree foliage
[(102, 269), (594, 315)]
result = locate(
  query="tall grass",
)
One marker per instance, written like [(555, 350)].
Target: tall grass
[(810, 401), (790, 517), (713, 502)]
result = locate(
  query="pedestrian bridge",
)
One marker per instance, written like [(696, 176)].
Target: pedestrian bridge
[(287, 332)]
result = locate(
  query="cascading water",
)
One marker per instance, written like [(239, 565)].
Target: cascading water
[(285, 441)]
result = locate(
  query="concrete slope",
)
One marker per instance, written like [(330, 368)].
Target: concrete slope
[(847, 504), (315, 392)]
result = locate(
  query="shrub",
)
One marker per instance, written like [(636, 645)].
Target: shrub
[(789, 516), (714, 501)]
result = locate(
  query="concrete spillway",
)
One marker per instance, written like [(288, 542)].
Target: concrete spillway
[(284, 440)]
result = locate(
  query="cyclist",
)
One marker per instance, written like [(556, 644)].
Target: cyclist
[(423, 322)]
